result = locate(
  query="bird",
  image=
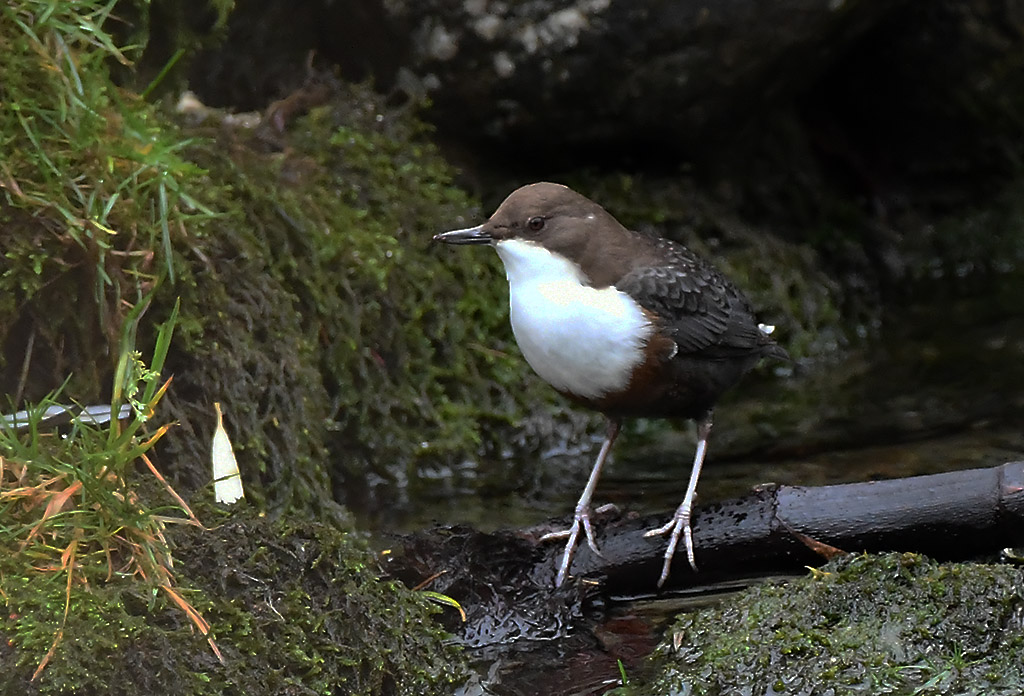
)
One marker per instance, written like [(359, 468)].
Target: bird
[(626, 323)]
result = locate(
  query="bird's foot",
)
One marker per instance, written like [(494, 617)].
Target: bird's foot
[(678, 526), (580, 519)]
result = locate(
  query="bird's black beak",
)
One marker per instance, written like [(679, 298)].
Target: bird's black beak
[(470, 235)]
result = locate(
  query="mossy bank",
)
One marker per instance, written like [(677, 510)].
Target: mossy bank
[(301, 311), (312, 305), (293, 608)]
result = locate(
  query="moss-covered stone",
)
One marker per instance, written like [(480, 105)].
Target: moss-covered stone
[(891, 624), (294, 608)]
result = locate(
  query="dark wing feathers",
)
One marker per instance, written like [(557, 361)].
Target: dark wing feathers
[(699, 308)]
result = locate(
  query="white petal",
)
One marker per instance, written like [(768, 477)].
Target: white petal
[(227, 482)]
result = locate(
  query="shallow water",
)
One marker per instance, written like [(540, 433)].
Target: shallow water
[(654, 479), (941, 387)]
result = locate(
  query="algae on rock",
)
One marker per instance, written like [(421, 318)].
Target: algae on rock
[(896, 623)]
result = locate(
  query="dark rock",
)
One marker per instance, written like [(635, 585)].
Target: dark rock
[(631, 74), (888, 103)]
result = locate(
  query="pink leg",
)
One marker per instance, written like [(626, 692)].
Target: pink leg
[(582, 514), (680, 522)]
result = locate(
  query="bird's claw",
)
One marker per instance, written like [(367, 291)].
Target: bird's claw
[(581, 519), (678, 526)]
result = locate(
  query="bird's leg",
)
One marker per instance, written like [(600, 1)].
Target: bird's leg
[(680, 522), (582, 514)]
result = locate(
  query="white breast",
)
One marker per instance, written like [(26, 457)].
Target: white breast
[(579, 339)]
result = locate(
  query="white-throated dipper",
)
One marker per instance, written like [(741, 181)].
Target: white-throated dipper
[(624, 322)]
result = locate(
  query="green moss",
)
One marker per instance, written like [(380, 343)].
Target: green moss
[(864, 624), (302, 606), (293, 608)]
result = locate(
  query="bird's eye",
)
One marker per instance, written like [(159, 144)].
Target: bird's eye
[(535, 223)]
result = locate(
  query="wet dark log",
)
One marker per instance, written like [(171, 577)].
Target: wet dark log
[(504, 579), (953, 516)]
